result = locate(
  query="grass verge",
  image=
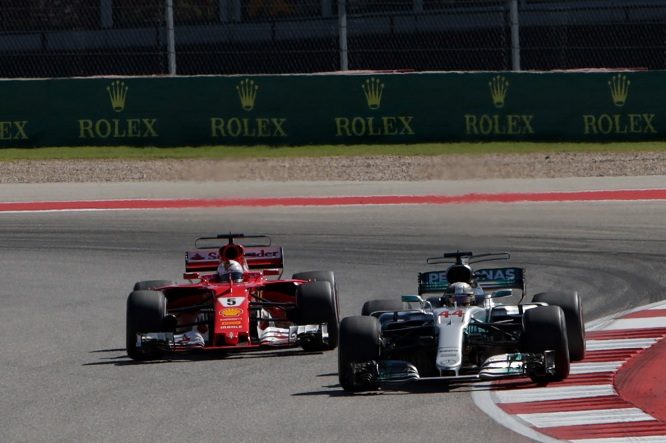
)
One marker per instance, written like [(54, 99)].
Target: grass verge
[(238, 152)]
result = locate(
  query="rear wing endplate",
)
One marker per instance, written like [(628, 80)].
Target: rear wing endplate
[(493, 278), (257, 257), (432, 281)]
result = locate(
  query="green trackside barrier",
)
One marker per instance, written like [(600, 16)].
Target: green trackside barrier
[(334, 109)]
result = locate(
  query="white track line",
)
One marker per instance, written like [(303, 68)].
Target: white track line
[(591, 368), (574, 418), (636, 323), (622, 343), (559, 393)]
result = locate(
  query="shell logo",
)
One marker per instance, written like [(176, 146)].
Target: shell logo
[(231, 312)]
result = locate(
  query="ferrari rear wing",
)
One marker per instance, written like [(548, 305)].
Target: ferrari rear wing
[(495, 278), (257, 258)]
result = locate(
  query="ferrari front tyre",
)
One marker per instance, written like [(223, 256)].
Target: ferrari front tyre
[(389, 304), (544, 329), (145, 313), (317, 304), (573, 313), (359, 343), (151, 284)]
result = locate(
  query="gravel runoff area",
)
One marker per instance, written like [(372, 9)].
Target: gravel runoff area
[(363, 168)]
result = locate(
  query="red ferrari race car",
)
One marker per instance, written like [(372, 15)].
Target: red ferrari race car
[(233, 298)]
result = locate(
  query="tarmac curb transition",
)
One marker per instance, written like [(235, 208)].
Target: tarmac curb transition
[(615, 394)]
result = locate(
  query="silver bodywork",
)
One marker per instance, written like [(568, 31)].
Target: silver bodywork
[(452, 324), (460, 334)]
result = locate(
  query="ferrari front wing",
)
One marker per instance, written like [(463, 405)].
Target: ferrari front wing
[(271, 337)]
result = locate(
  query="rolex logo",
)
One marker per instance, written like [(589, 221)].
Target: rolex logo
[(619, 88), (247, 92), (117, 93), (373, 88), (499, 86)]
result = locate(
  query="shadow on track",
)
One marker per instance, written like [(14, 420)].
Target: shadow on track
[(124, 360), (418, 387)]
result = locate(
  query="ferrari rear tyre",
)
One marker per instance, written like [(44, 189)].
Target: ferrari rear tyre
[(544, 328), (317, 304), (145, 313), (328, 276), (151, 284), (573, 313), (359, 343), (389, 304)]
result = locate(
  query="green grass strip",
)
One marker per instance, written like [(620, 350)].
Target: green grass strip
[(244, 152)]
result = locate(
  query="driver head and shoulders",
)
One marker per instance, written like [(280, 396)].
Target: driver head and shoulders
[(230, 270), (459, 294)]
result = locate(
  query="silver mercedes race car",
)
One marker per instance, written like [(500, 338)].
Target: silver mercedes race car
[(463, 333)]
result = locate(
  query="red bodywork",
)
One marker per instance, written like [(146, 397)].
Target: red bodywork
[(230, 314)]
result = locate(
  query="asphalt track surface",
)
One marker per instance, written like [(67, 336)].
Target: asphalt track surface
[(64, 375)]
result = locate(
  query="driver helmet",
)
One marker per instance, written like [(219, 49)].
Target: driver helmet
[(230, 270), (460, 293)]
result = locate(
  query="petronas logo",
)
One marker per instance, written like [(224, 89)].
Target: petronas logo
[(118, 94), (499, 87), (619, 89), (247, 92), (373, 89)]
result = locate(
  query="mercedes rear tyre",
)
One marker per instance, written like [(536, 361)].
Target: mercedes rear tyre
[(573, 313), (145, 313), (359, 343), (544, 329)]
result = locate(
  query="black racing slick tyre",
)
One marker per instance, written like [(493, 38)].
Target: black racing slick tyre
[(145, 313), (544, 328), (317, 304), (359, 343), (151, 284), (389, 304), (573, 313), (328, 276)]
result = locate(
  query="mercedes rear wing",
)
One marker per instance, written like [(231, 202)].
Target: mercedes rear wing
[(488, 279)]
